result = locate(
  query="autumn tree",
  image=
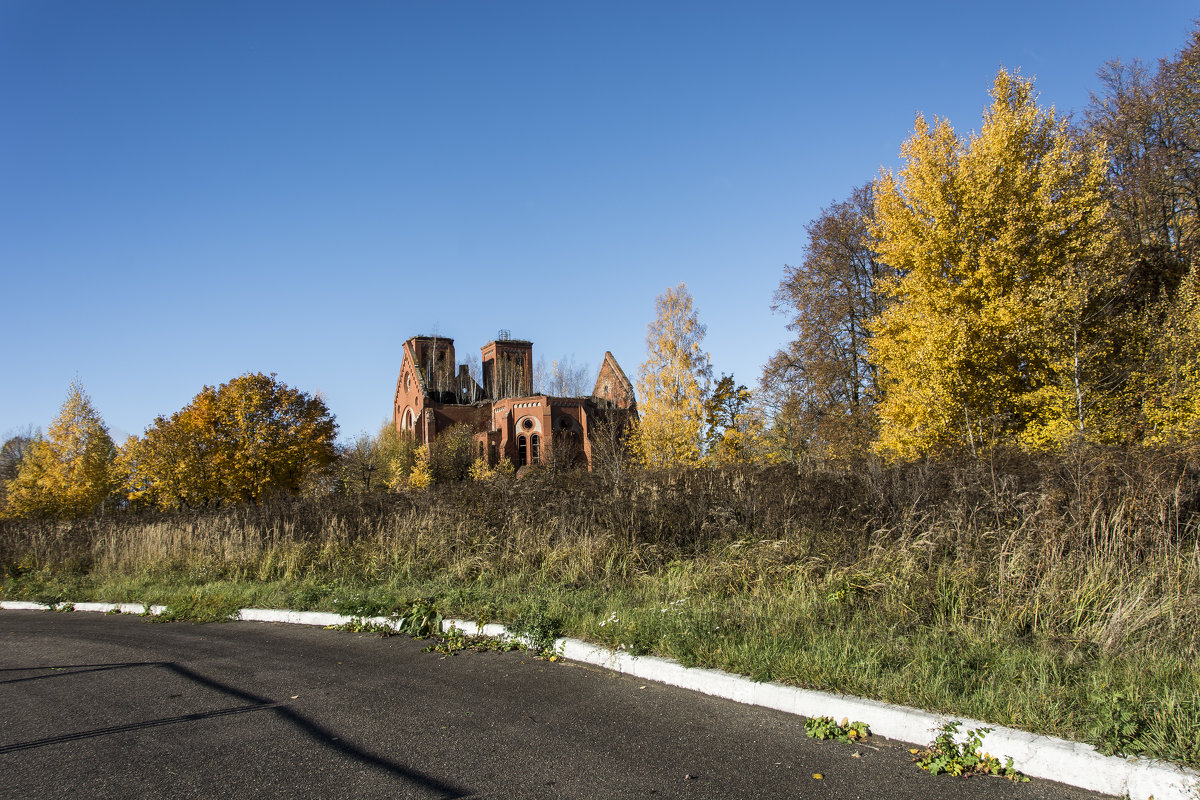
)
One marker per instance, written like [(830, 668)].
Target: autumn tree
[(12, 453), (242, 441), (822, 388), (367, 464), (735, 429), (359, 465), (672, 385), (610, 435), (452, 453), (71, 472), (999, 242), (1150, 123), (399, 454)]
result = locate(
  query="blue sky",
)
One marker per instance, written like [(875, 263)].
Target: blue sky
[(190, 191)]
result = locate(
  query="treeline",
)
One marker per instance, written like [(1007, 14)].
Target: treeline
[(245, 441), (1033, 284), (250, 441)]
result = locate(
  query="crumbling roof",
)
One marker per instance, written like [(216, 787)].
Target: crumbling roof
[(412, 359), (616, 368)]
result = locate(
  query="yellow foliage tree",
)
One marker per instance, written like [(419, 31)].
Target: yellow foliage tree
[(421, 475), (737, 431), (1172, 410), (370, 463), (240, 442), (482, 473), (999, 244), (672, 386), (71, 472), (1150, 121)]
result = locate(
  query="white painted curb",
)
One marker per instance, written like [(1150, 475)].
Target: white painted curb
[(103, 608), (323, 619), (19, 605), (1059, 760)]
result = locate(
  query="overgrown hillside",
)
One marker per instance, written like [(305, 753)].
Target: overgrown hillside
[(1057, 594)]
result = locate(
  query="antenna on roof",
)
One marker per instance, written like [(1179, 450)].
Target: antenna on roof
[(504, 335)]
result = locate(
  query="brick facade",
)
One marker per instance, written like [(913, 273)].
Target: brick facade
[(434, 393)]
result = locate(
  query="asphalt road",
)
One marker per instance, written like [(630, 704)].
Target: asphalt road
[(95, 706)]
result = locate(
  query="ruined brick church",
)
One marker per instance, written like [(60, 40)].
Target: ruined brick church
[(434, 393)]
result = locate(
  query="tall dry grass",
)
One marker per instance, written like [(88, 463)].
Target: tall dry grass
[(1101, 547)]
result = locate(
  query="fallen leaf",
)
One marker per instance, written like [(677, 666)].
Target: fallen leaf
[(818, 776)]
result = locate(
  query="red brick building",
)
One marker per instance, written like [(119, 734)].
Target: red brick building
[(434, 392)]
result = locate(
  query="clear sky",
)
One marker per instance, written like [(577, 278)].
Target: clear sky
[(192, 190)]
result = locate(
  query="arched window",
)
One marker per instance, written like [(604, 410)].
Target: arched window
[(522, 451), (407, 422), (535, 450)]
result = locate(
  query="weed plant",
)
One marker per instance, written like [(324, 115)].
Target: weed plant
[(828, 728), (1055, 594), (948, 756)]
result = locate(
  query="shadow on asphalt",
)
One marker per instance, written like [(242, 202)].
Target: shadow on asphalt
[(253, 703)]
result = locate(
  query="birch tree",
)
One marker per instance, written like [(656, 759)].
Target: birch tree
[(672, 386)]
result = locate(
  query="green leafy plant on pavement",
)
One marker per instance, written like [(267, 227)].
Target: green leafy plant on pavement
[(454, 641), (538, 629), (360, 625), (828, 728), (946, 756), (422, 619)]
